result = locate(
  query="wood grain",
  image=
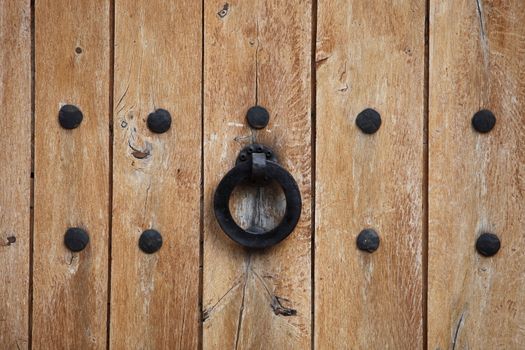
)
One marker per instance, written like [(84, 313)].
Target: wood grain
[(476, 181), (71, 174), (158, 54), (257, 52), (369, 55), (15, 173)]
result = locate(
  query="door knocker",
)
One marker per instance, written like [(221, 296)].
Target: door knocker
[(257, 165)]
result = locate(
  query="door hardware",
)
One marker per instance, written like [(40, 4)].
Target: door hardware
[(483, 121), (368, 240), (368, 121), (257, 117), (488, 244), (159, 121), (257, 165), (150, 241), (76, 239), (70, 117)]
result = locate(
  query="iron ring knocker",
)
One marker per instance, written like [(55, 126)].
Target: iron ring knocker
[(257, 164)]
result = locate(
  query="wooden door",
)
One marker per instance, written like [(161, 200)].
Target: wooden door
[(393, 127)]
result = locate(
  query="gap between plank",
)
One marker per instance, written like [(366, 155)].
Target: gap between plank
[(32, 184), (425, 215), (110, 170), (201, 210), (313, 125)]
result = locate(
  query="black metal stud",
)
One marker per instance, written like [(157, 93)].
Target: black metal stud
[(258, 117), (70, 116), (369, 121), (76, 239), (488, 244), (159, 121), (483, 121), (368, 240), (150, 241)]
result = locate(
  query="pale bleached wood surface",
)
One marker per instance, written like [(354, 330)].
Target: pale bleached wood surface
[(72, 66), (370, 54), (476, 181), (156, 177), (257, 52), (15, 173)]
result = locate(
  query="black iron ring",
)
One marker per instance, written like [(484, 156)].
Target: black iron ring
[(242, 172)]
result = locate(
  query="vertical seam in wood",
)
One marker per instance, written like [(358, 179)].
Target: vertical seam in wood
[(425, 214), (241, 309), (110, 167), (257, 58), (32, 184), (201, 212), (313, 124)]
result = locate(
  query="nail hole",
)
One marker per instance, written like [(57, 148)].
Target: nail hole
[(78, 50)]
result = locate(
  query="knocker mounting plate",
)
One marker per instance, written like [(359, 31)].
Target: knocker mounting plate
[(257, 155), (247, 152)]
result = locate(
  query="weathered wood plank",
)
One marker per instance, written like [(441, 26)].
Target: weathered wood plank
[(257, 52), (71, 173), (370, 54), (158, 54), (15, 173), (476, 181)]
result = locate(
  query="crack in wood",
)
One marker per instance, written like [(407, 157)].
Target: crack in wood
[(180, 346), (275, 301), (147, 198), (483, 35), (256, 218), (456, 333), (257, 64), (480, 17), (241, 309), (71, 258), (321, 60), (140, 153), (206, 313)]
